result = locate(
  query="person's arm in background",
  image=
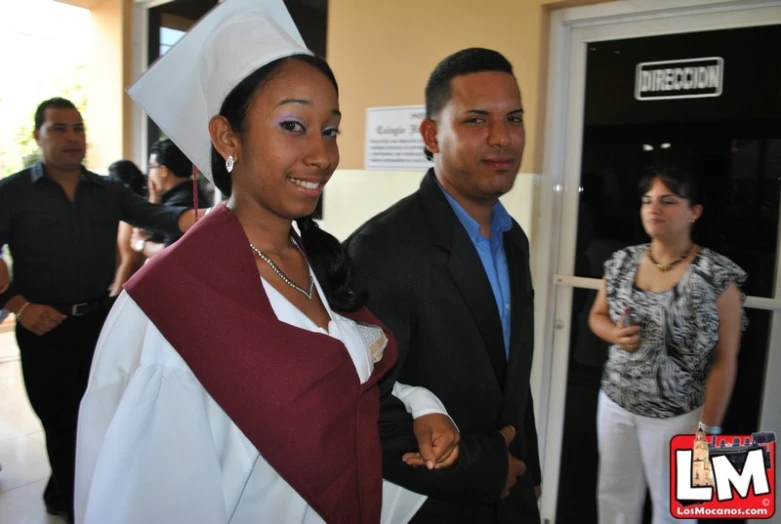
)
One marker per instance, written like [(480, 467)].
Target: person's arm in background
[(154, 244), (480, 473), (141, 239), (627, 338), (7, 289), (5, 276), (155, 217), (129, 259), (721, 378), (5, 281), (38, 318)]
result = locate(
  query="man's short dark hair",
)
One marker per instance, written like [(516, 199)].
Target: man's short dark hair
[(473, 60), (56, 102), (170, 156), (465, 62)]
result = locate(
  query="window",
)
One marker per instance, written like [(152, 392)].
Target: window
[(168, 37)]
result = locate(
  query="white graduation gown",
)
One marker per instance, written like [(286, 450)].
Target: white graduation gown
[(154, 447)]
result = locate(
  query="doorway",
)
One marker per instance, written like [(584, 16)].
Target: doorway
[(656, 83)]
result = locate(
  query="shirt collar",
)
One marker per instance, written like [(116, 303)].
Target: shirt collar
[(38, 172), (181, 187), (500, 218)]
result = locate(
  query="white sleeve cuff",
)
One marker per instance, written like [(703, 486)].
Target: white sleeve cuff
[(418, 401)]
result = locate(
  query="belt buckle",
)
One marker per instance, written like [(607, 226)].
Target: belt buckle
[(75, 309)]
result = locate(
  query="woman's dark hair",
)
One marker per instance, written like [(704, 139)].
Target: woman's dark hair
[(329, 259), (332, 265), (128, 173), (679, 181)]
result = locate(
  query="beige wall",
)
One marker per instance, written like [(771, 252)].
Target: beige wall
[(382, 54), (128, 140), (86, 4), (354, 196), (109, 117)]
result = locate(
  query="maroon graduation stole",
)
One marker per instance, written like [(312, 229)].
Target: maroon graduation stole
[(294, 394)]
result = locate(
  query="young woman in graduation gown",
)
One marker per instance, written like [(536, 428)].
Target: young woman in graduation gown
[(235, 380)]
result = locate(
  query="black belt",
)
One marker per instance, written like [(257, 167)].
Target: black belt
[(85, 308)]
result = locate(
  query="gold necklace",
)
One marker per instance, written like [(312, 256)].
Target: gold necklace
[(664, 268)]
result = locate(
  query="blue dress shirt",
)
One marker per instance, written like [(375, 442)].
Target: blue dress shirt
[(492, 255)]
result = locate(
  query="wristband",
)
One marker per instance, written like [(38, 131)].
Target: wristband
[(21, 311), (710, 430)]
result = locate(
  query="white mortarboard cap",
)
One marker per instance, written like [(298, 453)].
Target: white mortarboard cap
[(186, 87)]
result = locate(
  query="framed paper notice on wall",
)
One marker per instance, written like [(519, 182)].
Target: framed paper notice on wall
[(393, 142)]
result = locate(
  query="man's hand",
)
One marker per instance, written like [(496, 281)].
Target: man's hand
[(508, 432), (41, 319), (437, 442), (515, 467), (537, 491), (154, 190), (5, 279)]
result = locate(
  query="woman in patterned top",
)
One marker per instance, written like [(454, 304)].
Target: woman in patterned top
[(672, 313)]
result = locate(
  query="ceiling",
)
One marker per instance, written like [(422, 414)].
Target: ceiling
[(195, 9)]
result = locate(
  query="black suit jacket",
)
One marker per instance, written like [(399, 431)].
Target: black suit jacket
[(427, 284)]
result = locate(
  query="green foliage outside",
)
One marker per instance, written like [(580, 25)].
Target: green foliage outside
[(22, 151)]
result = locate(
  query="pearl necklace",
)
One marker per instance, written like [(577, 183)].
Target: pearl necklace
[(283, 276)]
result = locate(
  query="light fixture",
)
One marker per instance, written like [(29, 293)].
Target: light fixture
[(665, 145), (648, 147)]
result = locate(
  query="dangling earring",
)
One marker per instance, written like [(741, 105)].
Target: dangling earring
[(692, 221), (229, 163)]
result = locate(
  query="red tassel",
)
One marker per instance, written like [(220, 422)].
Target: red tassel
[(195, 192)]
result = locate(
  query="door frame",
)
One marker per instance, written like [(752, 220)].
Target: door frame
[(140, 23), (570, 29)]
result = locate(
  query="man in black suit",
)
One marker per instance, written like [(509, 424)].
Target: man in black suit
[(447, 270)]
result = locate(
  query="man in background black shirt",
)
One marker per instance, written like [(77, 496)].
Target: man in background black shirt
[(60, 222), (170, 183)]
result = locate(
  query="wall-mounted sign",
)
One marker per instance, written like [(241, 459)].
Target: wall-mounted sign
[(690, 78), (392, 139)]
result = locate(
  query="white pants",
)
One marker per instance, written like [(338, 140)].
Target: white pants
[(634, 452)]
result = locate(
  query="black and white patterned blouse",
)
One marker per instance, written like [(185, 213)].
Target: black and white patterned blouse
[(666, 375)]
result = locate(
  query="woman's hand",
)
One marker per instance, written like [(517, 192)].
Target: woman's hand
[(602, 325), (437, 442), (627, 338)]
